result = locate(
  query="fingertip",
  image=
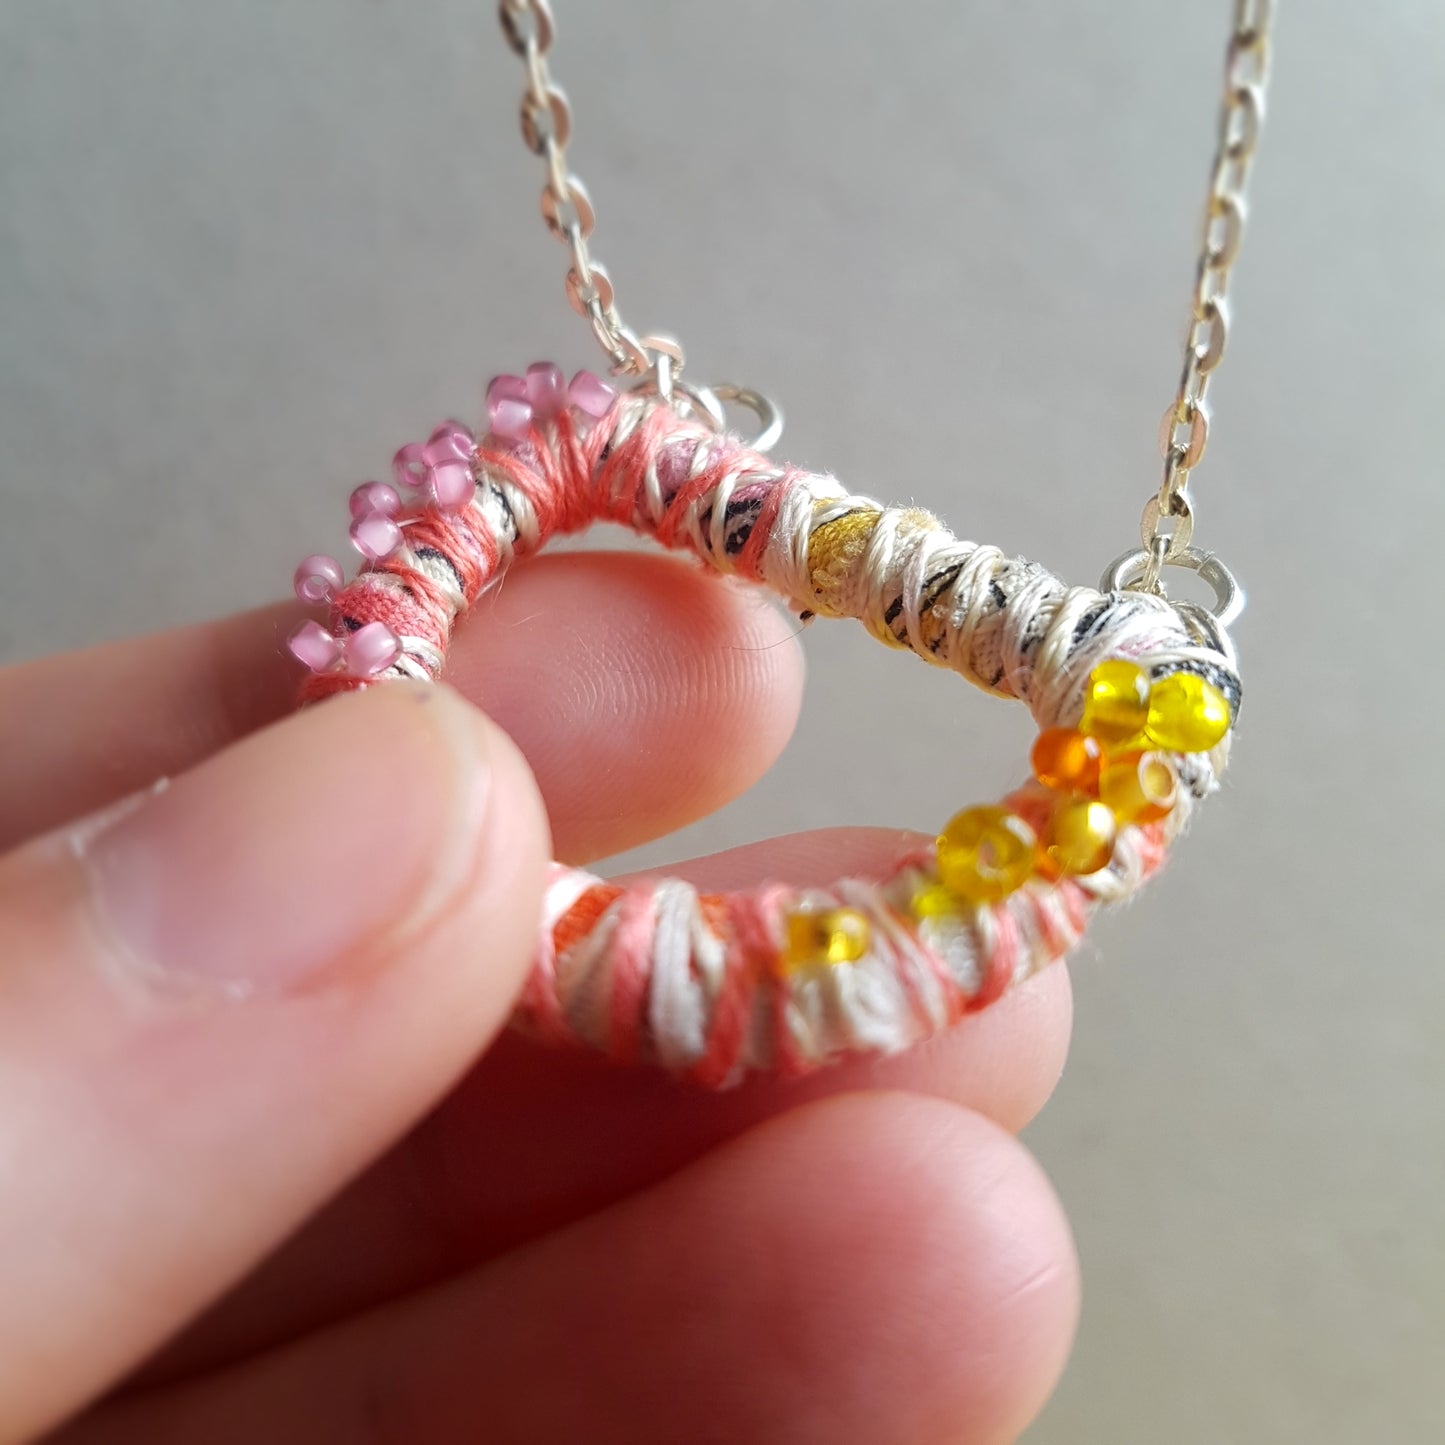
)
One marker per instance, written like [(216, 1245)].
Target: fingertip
[(869, 1267), (1003, 1062), (494, 907), (923, 1263), (612, 670), (878, 1267)]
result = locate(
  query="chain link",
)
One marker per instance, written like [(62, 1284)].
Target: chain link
[(1168, 521), (566, 207), (1167, 525)]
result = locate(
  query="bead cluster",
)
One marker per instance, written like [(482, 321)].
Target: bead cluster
[(515, 404), (1114, 770), (437, 474)]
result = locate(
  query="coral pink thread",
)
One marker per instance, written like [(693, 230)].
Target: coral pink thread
[(570, 479), (568, 471)]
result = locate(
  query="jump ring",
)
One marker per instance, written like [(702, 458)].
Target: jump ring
[(1125, 573)]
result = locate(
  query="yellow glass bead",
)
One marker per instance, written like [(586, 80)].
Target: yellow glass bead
[(1067, 760), (1080, 835), (985, 853), (933, 900), (1140, 789), (831, 936), (1187, 714), (1116, 701)]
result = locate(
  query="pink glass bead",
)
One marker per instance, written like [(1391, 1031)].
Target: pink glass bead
[(372, 497), (372, 649), (319, 578), (314, 646), (512, 387), (510, 418), (375, 536), (408, 466), (451, 441), (452, 484), (546, 389), (591, 395)]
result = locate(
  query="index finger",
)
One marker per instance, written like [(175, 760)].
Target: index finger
[(603, 667)]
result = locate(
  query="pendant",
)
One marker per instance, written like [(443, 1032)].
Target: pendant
[(1135, 698)]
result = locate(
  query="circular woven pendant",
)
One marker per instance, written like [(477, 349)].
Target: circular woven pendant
[(1134, 697)]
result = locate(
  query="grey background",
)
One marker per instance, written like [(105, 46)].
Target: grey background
[(246, 249)]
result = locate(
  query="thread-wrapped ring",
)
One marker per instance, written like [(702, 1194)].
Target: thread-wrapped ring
[(1134, 699)]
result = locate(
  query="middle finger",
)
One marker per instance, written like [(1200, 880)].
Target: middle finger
[(537, 1137)]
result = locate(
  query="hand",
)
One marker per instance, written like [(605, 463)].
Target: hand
[(248, 1008)]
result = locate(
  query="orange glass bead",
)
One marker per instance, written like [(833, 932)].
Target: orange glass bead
[(1080, 835), (985, 853), (1068, 760), (1187, 714), (830, 936), (1140, 789), (1116, 701)]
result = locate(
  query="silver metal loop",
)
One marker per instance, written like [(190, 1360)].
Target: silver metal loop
[(1243, 116), (546, 119), (1226, 215), (661, 344), (705, 403), (663, 377), (597, 287), (526, 20), (686, 398), (629, 356), (1156, 552), (1125, 573), (663, 357), (563, 213), (1208, 353), (1247, 60), (768, 412), (1151, 525), (1194, 416), (1208, 629)]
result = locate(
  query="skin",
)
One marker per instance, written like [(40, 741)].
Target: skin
[(269, 1184)]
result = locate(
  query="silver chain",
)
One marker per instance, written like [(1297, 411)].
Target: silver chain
[(1168, 521), (1167, 525), (567, 209)]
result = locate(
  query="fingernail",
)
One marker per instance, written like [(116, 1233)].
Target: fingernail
[(300, 851)]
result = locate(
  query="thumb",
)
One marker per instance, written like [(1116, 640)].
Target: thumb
[(218, 1002)]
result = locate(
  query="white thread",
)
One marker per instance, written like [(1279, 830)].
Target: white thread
[(687, 965), (1004, 623)]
